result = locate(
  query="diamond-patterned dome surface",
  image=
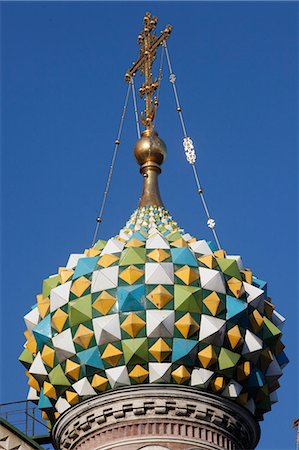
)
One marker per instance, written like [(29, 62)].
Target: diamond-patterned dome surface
[(153, 305)]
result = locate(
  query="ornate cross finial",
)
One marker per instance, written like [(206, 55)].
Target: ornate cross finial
[(149, 44)]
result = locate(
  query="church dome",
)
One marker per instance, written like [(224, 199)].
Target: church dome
[(153, 305)]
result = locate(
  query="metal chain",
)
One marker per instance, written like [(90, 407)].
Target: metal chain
[(135, 108), (189, 148), (117, 142)]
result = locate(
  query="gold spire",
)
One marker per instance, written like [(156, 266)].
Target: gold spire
[(149, 150)]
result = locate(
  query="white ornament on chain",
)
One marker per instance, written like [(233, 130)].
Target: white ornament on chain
[(189, 150), (211, 223)]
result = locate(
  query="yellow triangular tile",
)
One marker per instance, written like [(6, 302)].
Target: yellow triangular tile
[(160, 350), (31, 344), (187, 275), (72, 369), (256, 321), (247, 275), (45, 415), (234, 336), (112, 355), (83, 336), (158, 255), (59, 319), (65, 274), (32, 382), (107, 259), (135, 243), (179, 243), (160, 296), (207, 356), (43, 305), (208, 260), (139, 374), (72, 397), (104, 303), (180, 375), (213, 303), (133, 324), (187, 326), (49, 390), (235, 286), (48, 356), (220, 254), (91, 252), (79, 286), (131, 274), (243, 371), (100, 383), (218, 384)]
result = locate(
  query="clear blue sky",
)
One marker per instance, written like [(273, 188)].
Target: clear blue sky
[(62, 95)]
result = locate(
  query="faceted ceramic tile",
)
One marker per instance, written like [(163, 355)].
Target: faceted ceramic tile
[(59, 319), (135, 350), (112, 355), (113, 246), (107, 260), (159, 323), (157, 241), (159, 372), (133, 324), (63, 345), (79, 286), (234, 336), (160, 350), (160, 296), (31, 319), (131, 274), (99, 383), (201, 247), (84, 388), (80, 310), (118, 376), (158, 255), (73, 260), (159, 273), (187, 275), (201, 377), (187, 326), (212, 279), (180, 375), (236, 287), (106, 329), (139, 374), (83, 336), (72, 369), (212, 330), (104, 279), (131, 256), (207, 356), (104, 302)]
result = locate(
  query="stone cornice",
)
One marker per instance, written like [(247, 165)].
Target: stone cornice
[(195, 417)]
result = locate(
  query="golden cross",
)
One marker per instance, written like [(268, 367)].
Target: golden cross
[(149, 44)]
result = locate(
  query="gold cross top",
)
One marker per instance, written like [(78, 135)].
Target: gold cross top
[(149, 44)]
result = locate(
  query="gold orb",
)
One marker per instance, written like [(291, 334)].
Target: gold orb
[(150, 148)]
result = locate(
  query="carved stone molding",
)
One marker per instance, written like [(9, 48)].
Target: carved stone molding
[(173, 417)]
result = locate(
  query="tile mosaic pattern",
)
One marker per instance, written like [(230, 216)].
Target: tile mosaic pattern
[(153, 305)]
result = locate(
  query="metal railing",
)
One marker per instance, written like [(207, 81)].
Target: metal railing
[(25, 416)]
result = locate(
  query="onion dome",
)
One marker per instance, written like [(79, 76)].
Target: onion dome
[(153, 305)]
